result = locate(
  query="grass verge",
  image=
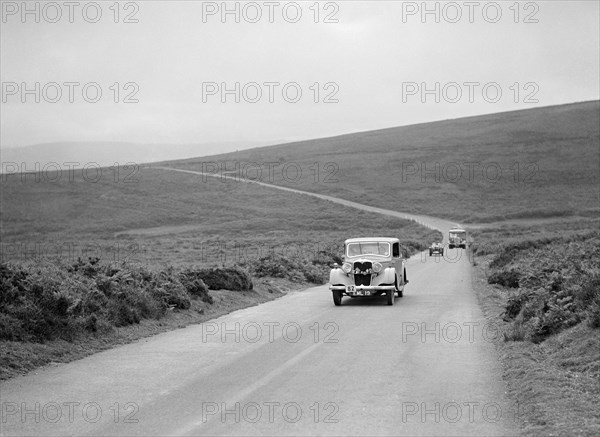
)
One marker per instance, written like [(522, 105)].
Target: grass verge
[(552, 374)]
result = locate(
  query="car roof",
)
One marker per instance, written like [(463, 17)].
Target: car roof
[(372, 239), (457, 230)]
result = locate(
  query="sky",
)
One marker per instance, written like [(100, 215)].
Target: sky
[(166, 71)]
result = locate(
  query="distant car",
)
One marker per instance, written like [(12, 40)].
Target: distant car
[(457, 237), (436, 248), (372, 267)]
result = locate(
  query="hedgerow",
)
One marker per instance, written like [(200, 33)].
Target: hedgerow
[(195, 285), (556, 286), (226, 278), (52, 301), (295, 269)]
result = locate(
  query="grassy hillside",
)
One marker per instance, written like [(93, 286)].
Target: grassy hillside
[(532, 163), (177, 219)]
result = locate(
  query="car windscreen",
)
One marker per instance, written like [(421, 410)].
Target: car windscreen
[(368, 248)]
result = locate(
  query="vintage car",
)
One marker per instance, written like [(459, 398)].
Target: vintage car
[(372, 267), (457, 237), (436, 248)]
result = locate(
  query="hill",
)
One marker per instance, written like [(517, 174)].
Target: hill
[(159, 217), (539, 162)]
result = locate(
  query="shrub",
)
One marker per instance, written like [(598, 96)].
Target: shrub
[(228, 278), (327, 258), (168, 288), (40, 303), (37, 304), (556, 285), (506, 278), (589, 295), (515, 332), (192, 281), (504, 258), (296, 270), (514, 305), (273, 266), (593, 314), (89, 268), (315, 274)]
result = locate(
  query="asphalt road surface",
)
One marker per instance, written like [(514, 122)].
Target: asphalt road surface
[(294, 366)]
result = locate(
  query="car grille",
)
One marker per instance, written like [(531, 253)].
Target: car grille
[(362, 273)]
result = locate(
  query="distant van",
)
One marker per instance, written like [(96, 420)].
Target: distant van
[(457, 238)]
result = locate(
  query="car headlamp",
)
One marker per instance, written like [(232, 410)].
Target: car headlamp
[(377, 267), (347, 267)]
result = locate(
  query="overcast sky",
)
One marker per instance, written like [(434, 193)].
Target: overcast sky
[(371, 59)]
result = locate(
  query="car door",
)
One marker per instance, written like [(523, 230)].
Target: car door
[(397, 259)]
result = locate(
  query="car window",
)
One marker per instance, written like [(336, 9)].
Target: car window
[(384, 249), (353, 250), (369, 248)]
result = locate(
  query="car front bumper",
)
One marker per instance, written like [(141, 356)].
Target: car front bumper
[(360, 290)]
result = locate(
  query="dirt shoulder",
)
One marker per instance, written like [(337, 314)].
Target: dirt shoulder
[(19, 358)]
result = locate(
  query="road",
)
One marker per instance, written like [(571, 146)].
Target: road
[(294, 366)]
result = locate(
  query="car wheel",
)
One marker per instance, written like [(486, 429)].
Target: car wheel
[(337, 297), (398, 290), (390, 294)]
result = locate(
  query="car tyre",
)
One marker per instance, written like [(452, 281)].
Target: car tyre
[(398, 290), (390, 295), (337, 297)]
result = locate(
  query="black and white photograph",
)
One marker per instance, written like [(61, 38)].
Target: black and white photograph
[(300, 218)]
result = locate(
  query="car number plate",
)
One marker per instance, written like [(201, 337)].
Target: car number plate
[(351, 290)]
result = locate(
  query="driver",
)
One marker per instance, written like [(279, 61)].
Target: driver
[(353, 250)]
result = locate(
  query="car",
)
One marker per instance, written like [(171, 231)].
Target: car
[(373, 267), (436, 248), (457, 237)]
